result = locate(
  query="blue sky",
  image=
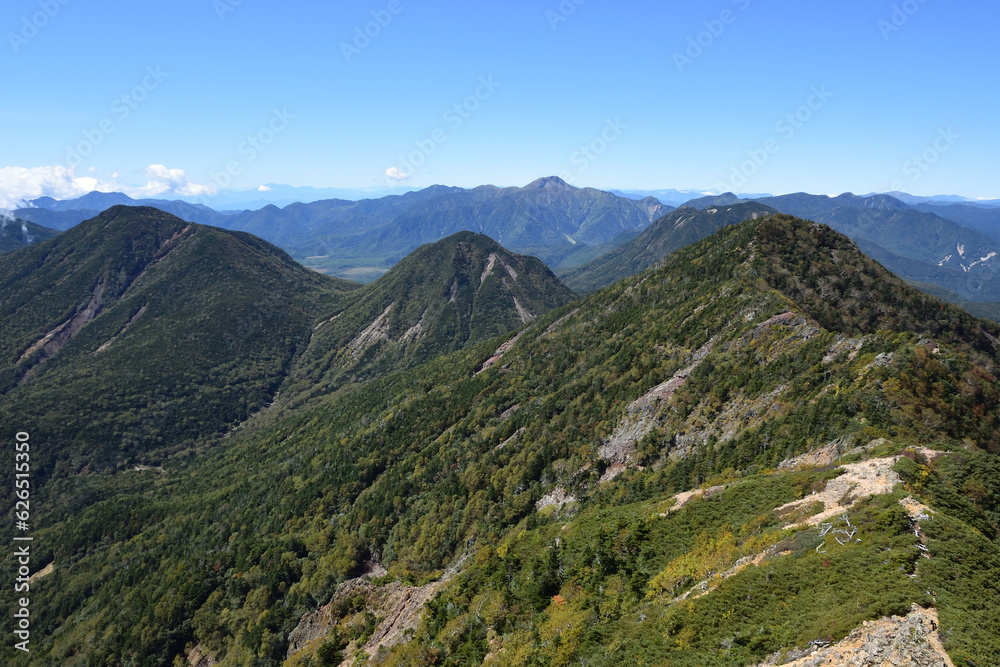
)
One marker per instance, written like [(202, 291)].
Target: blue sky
[(184, 97)]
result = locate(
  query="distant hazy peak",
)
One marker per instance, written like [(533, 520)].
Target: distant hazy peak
[(725, 199), (548, 182)]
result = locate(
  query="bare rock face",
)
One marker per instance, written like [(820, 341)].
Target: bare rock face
[(557, 498), (907, 641), (641, 417), (826, 455), (398, 608), (647, 412), (196, 658)]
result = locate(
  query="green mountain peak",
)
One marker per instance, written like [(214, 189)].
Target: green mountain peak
[(675, 230), (136, 333), (461, 290)]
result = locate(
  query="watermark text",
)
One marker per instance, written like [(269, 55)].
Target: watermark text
[(22, 542), (32, 25)]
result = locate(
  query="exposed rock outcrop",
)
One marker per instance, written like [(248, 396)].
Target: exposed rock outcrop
[(498, 354), (398, 608), (54, 340), (829, 454), (376, 331), (641, 416), (196, 658), (898, 641), (557, 498), (860, 480)]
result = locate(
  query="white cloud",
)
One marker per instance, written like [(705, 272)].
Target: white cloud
[(263, 188), (19, 185), (164, 181), (395, 174)]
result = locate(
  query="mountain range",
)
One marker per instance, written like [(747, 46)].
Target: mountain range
[(762, 447), (955, 261), (946, 243), (560, 224)]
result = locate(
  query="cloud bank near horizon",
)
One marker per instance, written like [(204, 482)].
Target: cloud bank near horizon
[(19, 185)]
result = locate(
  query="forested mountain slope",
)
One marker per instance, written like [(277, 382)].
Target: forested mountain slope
[(677, 229), (16, 234), (528, 488), (134, 334)]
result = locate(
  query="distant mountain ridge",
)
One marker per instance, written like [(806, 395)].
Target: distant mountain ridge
[(548, 218), (963, 260), (63, 215), (983, 219), (569, 227), (955, 247), (943, 200)]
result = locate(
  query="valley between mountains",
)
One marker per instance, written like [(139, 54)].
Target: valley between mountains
[(740, 441)]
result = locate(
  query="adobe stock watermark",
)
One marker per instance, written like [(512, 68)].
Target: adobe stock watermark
[(787, 127), (454, 117), (901, 15), (223, 7), (22, 542), (121, 108), (589, 153), (920, 164), (562, 13), (32, 25), (251, 148), (363, 36), (714, 28)]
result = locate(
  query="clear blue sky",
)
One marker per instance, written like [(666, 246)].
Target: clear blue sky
[(225, 67)]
